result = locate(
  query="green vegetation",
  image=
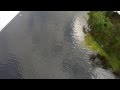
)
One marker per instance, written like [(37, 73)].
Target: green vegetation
[(104, 36)]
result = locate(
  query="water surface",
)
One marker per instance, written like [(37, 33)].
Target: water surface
[(44, 45)]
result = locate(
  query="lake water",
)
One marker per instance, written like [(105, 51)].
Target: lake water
[(45, 45)]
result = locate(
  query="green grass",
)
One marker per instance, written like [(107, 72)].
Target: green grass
[(111, 59)]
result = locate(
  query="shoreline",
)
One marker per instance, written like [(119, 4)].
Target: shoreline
[(101, 58), (97, 70)]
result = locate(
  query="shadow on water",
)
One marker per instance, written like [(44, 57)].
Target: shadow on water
[(9, 66)]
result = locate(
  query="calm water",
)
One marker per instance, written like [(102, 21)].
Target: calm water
[(44, 45)]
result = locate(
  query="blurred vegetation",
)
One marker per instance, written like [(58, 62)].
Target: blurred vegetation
[(104, 36)]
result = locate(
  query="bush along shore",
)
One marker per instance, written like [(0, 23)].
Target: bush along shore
[(104, 38)]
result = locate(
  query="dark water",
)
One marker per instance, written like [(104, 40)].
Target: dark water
[(40, 45)]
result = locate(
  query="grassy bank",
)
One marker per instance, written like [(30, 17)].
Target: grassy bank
[(104, 37)]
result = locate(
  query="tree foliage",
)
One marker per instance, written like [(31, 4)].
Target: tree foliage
[(105, 29)]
